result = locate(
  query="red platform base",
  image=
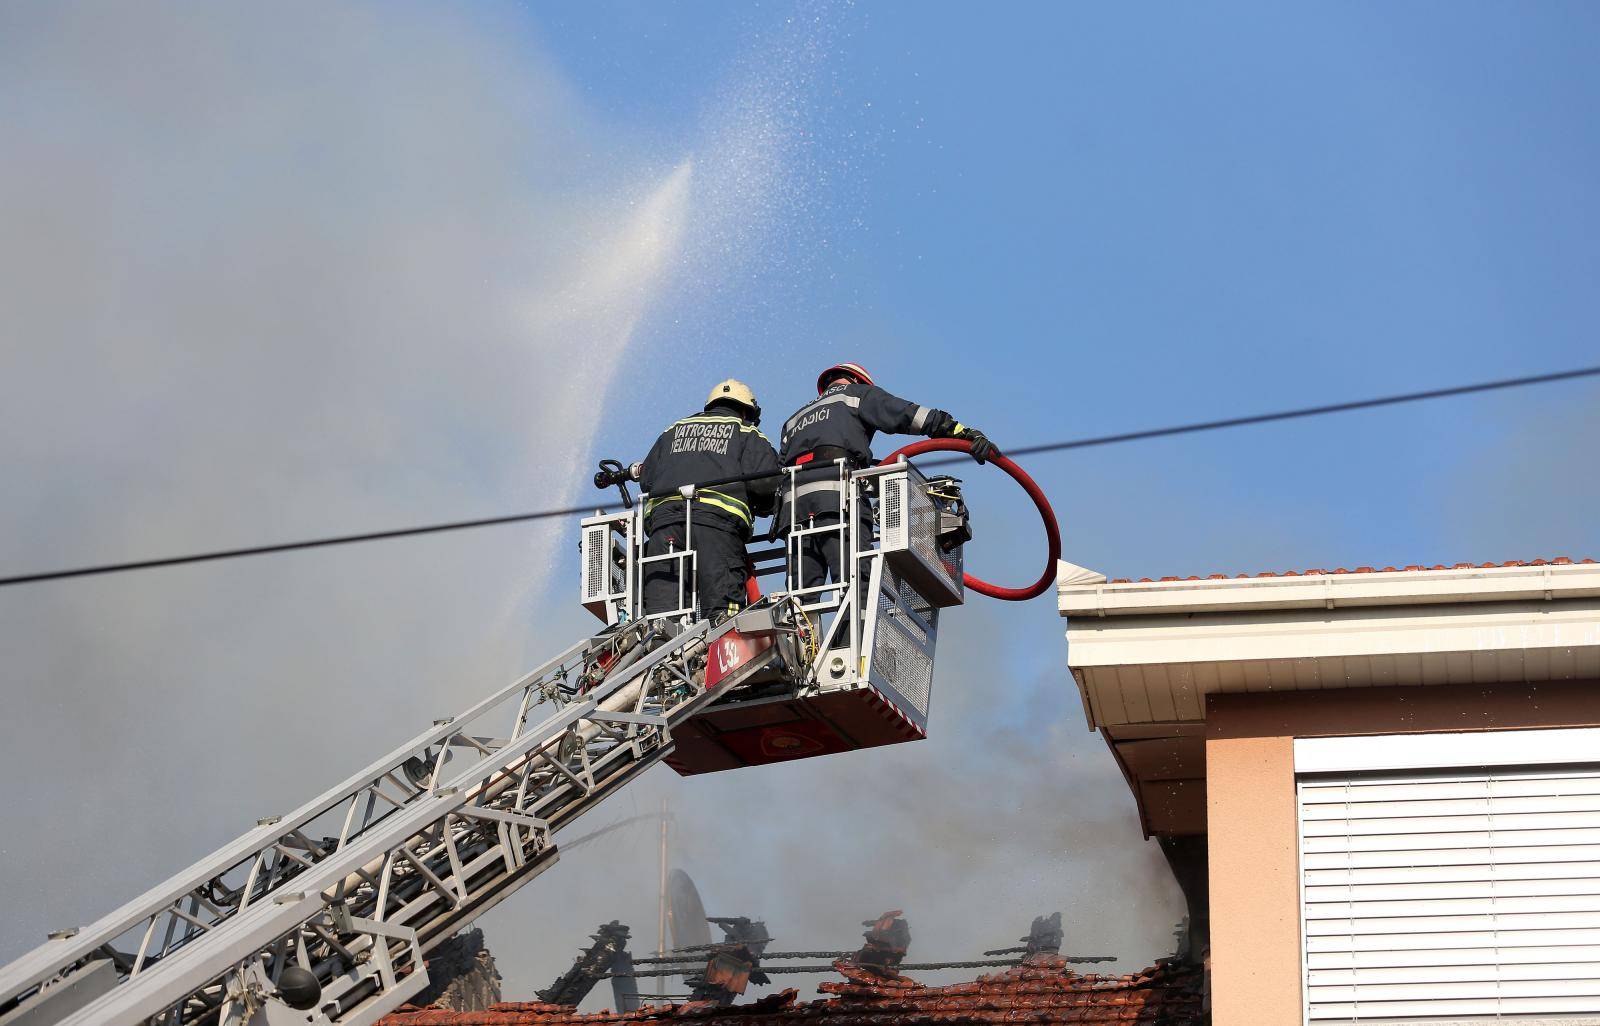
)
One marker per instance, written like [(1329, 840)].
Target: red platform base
[(780, 730)]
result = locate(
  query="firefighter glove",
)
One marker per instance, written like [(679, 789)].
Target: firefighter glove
[(982, 449)]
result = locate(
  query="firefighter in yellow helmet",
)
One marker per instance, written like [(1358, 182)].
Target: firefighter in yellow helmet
[(722, 441)]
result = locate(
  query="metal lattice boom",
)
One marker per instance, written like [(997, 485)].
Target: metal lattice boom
[(358, 884), (323, 917)]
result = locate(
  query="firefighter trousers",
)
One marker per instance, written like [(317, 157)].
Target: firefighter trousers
[(821, 555), (720, 572)]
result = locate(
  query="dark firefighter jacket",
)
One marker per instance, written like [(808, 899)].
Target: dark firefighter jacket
[(842, 420), (837, 424), (709, 447)]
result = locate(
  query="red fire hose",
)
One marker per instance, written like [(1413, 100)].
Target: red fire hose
[(1052, 533)]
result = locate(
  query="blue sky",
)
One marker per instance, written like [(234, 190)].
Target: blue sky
[(1059, 220), (1068, 220)]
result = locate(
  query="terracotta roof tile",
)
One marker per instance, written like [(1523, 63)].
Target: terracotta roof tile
[(1043, 991), (1557, 561)]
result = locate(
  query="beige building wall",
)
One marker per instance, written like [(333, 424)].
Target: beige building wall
[(1255, 928), (1250, 811)]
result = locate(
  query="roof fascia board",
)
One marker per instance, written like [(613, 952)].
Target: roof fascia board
[(1332, 591), (1300, 634)]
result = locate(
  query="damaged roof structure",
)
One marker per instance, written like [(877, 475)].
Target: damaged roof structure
[(1042, 987), (1042, 990)]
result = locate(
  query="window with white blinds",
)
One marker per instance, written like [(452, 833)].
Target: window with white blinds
[(1458, 895)]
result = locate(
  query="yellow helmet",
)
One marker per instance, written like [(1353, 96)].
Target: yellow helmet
[(735, 391)]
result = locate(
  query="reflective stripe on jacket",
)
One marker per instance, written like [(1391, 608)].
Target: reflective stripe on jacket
[(842, 422), (846, 416), (707, 447), (715, 499)]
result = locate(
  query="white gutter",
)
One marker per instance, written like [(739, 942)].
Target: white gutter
[(1083, 592)]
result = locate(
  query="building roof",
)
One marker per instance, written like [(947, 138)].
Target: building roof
[(1082, 591), (1557, 561), (1041, 991), (1150, 657)]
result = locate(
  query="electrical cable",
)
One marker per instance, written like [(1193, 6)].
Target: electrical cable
[(696, 955), (316, 543), (780, 970), (1080, 443), (1307, 411), (595, 835)]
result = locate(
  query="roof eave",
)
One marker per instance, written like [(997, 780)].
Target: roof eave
[(1082, 592)]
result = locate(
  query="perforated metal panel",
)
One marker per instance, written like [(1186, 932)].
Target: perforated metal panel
[(602, 562), (891, 512), (903, 644), (910, 624), (909, 538), (594, 563), (922, 525)]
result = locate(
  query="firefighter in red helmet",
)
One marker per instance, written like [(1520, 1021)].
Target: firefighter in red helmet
[(839, 424)]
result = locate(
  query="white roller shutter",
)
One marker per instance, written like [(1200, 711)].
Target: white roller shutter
[(1455, 895)]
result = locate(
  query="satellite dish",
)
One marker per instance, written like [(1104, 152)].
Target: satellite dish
[(686, 915)]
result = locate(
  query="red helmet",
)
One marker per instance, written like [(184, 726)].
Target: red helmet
[(851, 370)]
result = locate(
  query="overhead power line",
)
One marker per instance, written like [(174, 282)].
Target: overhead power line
[(314, 543), (1309, 411), (779, 970), (1030, 450)]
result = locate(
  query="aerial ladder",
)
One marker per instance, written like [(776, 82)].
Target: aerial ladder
[(325, 915)]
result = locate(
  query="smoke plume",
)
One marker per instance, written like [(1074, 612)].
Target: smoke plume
[(264, 274), (268, 273)]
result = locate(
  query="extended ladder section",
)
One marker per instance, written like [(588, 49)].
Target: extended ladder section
[(326, 915)]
